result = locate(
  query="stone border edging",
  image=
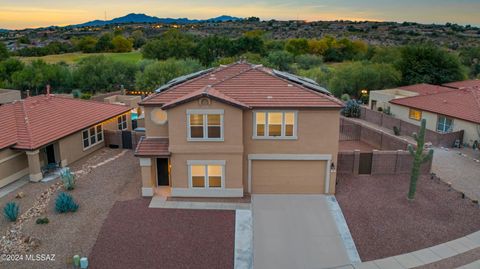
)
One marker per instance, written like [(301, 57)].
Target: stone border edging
[(425, 256)]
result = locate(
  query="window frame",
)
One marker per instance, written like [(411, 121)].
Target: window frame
[(205, 113), (122, 122), (266, 129), (90, 135), (410, 110), (206, 163), (446, 118)]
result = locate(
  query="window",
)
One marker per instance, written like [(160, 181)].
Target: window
[(444, 124), (415, 114), (206, 174), (122, 122), (92, 136), (205, 125), (273, 124)]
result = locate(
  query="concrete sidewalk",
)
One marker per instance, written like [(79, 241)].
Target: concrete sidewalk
[(296, 231)]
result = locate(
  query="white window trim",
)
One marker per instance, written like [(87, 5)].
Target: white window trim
[(205, 126), (206, 163), (90, 145), (282, 137), (446, 118), (121, 122)]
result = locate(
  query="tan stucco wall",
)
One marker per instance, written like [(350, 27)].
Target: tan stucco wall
[(8, 96), (470, 130), (13, 165), (288, 176), (71, 148), (384, 96), (153, 129), (317, 132)]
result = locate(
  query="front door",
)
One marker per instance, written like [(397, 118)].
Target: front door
[(163, 176), (50, 154)]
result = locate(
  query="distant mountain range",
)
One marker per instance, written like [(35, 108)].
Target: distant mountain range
[(143, 18)]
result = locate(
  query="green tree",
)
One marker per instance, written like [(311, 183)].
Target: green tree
[(3, 52), (86, 44), (353, 77), (321, 74), (8, 67), (172, 44), (418, 158), (121, 44), (307, 61), (100, 73), (249, 43), (160, 72), (280, 60), (429, 64), (138, 39), (470, 57), (212, 48), (297, 46), (104, 43)]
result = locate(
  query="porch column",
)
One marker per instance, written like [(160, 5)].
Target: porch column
[(34, 166), (147, 177)]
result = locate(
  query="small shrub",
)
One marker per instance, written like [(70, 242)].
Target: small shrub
[(380, 109), (11, 211), (387, 111), (65, 203), (68, 179), (86, 95), (396, 130), (42, 220), (76, 93), (345, 97), (351, 109)]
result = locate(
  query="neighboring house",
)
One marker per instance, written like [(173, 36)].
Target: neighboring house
[(239, 129), (445, 112), (8, 96), (381, 98), (50, 130), (464, 84)]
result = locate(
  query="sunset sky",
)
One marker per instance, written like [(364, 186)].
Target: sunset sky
[(19, 14)]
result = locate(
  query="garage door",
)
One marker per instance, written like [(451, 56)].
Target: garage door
[(288, 176)]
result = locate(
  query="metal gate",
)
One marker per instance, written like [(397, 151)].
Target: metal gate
[(365, 163), (127, 139)]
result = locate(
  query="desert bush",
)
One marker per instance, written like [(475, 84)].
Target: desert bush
[(42, 221), (76, 93), (396, 130), (11, 211), (68, 179), (65, 203), (351, 109), (345, 97), (85, 95)]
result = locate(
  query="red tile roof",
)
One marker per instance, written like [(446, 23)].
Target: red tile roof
[(425, 89), (464, 84), (461, 104), (36, 121), (208, 91), (253, 86), (152, 147)]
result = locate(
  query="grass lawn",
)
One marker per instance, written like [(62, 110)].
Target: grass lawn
[(72, 58)]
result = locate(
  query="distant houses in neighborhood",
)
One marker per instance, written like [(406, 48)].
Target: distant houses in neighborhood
[(447, 108)]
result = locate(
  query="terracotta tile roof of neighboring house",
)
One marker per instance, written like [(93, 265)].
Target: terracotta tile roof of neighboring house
[(249, 85), (461, 104), (36, 121), (464, 84), (149, 147), (425, 89)]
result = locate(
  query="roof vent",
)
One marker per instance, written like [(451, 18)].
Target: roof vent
[(269, 97), (289, 85)]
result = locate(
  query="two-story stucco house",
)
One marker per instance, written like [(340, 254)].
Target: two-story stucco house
[(239, 129)]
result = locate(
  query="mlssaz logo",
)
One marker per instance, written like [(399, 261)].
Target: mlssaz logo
[(40, 257)]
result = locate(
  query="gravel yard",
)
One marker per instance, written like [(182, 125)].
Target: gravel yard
[(97, 189), (135, 236), (383, 223)]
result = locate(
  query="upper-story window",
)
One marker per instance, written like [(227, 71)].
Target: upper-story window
[(415, 114), (122, 122), (92, 136), (275, 125), (205, 125)]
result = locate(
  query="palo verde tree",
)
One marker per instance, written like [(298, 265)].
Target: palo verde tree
[(418, 158)]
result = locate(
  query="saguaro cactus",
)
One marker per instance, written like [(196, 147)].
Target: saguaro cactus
[(418, 158)]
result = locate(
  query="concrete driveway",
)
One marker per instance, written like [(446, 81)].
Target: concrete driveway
[(296, 231)]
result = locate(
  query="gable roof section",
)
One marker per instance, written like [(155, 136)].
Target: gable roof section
[(425, 89), (248, 85), (208, 91), (464, 84), (461, 104), (43, 119)]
